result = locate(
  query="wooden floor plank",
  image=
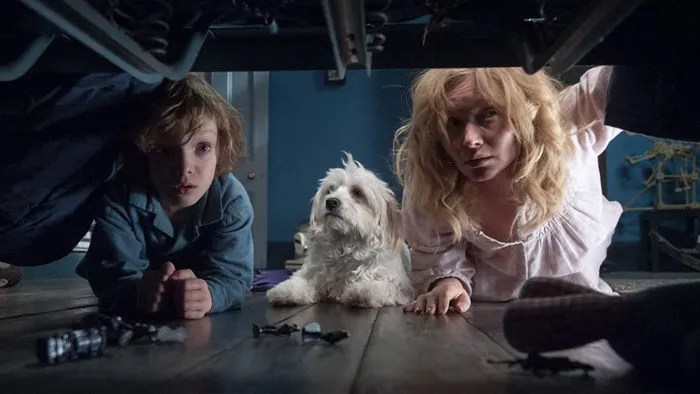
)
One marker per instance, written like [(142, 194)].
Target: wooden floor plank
[(18, 336), (417, 354), (489, 318), (387, 351), (139, 368), (35, 297), (285, 364), (33, 286)]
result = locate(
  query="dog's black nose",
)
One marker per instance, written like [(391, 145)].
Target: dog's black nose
[(332, 203)]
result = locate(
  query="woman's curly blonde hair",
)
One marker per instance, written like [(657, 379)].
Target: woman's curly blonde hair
[(185, 106), (434, 187)]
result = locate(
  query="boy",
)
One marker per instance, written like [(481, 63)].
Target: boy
[(175, 236)]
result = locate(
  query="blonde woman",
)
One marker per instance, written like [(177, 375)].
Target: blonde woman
[(501, 184)]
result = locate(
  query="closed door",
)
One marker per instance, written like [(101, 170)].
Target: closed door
[(248, 93)]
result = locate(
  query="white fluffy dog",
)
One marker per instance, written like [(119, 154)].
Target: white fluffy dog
[(356, 253)]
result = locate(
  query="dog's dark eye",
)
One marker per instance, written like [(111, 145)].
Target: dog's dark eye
[(329, 190), (356, 192)]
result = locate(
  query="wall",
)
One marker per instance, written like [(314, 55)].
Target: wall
[(624, 182), (310, 123)]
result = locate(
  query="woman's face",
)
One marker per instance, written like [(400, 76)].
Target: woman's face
[(481, 141)]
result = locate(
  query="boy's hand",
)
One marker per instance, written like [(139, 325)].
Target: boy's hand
[(191, 296), (446, 292), (151, 295)]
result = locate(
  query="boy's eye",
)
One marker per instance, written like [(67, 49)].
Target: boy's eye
[(158, 149), (203, 147)]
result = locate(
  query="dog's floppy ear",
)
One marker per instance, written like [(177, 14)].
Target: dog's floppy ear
[(314, 202), (392, 222)]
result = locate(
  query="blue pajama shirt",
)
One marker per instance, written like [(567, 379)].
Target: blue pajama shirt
[(133, 233)]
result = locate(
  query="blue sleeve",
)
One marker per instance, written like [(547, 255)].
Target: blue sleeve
[(115, 260), (229, 266), (49, 201)]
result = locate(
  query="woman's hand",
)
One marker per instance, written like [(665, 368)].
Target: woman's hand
[(446, 292)]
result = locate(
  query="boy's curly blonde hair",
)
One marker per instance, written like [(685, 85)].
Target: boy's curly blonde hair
[(184, 108), (433, 185)]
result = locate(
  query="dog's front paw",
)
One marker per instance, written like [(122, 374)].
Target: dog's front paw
[(293, 291), (375, 294), (360, 298)]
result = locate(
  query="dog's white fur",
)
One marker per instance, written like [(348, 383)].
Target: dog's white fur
[(356, 253)]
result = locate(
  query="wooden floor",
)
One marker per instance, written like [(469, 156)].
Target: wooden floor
[(388, 351)]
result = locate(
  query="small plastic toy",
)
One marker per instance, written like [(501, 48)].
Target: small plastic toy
[(312, 332), (119, 331), (89, 337), (335, 336), (72, 345), (284, 329), (537, 364)]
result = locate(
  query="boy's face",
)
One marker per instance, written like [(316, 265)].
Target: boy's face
[(183, 172)]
